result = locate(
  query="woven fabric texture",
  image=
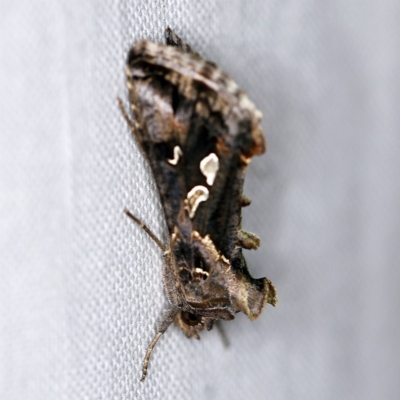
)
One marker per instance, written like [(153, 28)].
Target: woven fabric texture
[(80, 286)]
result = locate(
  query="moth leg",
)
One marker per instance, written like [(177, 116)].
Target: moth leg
[(247, 240), (169, 316), (172, 39), (147, 230)]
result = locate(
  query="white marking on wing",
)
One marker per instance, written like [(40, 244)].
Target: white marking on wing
[(209, 167)]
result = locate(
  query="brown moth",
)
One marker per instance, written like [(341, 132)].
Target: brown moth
[(198, 131)]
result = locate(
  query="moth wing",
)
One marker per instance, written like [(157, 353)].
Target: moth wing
[(199, 132)]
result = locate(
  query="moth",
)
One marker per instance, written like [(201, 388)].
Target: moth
[(198, 131)]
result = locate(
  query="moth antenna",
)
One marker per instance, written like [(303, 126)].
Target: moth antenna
[(167, 320), (147, 230)]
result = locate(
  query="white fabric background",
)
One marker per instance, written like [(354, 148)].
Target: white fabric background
[(80, 285)]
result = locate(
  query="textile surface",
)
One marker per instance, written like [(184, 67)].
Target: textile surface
[(80, 286)]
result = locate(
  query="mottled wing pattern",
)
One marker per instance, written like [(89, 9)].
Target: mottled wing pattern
[(199, 132)]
